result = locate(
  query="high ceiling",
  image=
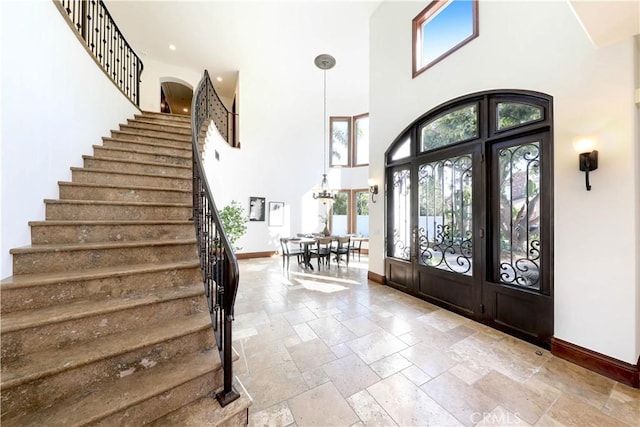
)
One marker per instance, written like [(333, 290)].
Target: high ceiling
[(281, 38)]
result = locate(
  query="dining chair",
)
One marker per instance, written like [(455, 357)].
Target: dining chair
[(355, 246), (322, 251), (288, 252), (341, 247)]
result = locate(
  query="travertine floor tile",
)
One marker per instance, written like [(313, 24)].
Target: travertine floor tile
[(350, 374), (369, 411), (460, 399), (331, 331), (273, 385), (571, 411), (322, 406), (360, 326), (575, 380), (408, 405), (514, 396), (390, 365), (624, 404), (278, 415), (266, 355), (419, 363), (499, 417), (431, 360), (311, 354), (376, 345)]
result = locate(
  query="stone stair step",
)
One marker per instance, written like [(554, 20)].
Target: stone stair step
[(171, 128), (142, 155), (207, 411), (151, 136), (157, 131), (146, 394), (57, 258), (32, 291), (159, 147), (61, 232), (118, 210), (128, 193), (164, 117), (67, 325), (135, 166), (96, 176)]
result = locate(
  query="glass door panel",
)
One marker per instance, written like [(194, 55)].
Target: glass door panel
[(445, 214), (519, 212), (401, 216)]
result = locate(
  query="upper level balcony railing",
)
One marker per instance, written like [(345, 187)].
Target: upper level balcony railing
[(100, 34)]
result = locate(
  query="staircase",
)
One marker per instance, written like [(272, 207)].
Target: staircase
[(105, 321)]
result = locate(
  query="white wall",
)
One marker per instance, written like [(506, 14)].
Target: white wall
[(538, 46), (56, 103), (281, 155)]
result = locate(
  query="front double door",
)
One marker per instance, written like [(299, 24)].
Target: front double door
[(466, 230)]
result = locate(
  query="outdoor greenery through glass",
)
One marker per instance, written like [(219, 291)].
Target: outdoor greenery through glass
[(445, 227), (519, 186), (456, 126), (340, 136), (511, 114)]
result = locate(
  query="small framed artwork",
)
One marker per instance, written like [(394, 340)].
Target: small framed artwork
[(276, 214), (256, 208)]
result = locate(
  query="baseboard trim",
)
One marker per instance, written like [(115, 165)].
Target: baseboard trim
[(249, 255), (615, 369), (375, 277)]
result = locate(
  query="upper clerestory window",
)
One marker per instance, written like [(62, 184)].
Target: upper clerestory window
[(443, 27)]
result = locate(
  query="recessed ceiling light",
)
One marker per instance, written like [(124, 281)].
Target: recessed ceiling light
[(172, 47), (186, 110), (219, 78)]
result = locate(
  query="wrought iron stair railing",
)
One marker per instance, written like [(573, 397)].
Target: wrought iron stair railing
[(217, 259), (98, 30)]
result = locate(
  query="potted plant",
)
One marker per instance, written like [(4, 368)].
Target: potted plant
[(234, 222)]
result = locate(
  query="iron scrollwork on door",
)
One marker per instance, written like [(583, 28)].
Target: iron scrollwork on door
[(445, 214), (519, 179), (401, 243)]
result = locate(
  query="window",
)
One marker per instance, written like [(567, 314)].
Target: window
[(340, 214), (349, 141), (456, 126), (443, 27), (350, 213), (361, 140), (340, 141)]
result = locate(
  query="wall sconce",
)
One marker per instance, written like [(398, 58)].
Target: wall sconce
[(587, 157), (373, 189)]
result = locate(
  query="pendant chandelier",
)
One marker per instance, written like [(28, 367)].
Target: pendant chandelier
[(324, 194)]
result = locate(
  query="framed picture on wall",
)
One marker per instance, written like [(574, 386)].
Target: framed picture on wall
[(256, 208), (276, 214)]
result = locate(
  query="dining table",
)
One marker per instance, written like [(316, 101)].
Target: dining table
[(306, 243)]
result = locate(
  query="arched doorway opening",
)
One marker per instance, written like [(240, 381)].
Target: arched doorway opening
[(175, 96)]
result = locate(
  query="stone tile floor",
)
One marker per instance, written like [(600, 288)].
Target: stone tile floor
[(331, 348)]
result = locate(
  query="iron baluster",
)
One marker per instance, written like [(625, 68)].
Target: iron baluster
[(217, 259), (95, 26)]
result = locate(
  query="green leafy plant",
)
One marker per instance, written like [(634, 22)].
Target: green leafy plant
[(234, 222)]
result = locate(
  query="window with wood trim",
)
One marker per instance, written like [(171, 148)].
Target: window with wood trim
[(350, 213), (349, 142), (443, 27)]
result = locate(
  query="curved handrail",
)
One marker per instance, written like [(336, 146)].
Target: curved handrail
[(218, 261), (102, 37)]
